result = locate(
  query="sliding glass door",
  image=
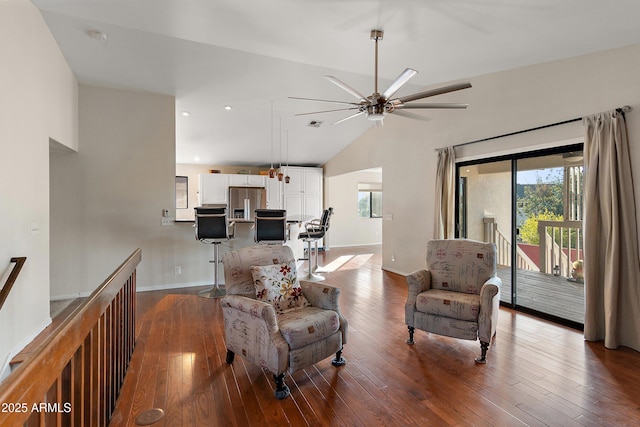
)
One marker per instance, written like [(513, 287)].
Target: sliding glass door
[(530, 206)]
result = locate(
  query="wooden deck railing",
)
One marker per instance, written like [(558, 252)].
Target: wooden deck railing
[(503, 247), (74, 377), (6, 287), (561, 243)]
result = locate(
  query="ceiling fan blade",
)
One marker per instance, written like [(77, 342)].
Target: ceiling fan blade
[(399, 82), (349, 117), (326, 111), (323, 100), (410, 115), (433, 105), (434, 92), (347, 88)]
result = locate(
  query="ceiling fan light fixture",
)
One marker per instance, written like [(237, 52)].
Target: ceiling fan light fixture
[(376, 112), (376, 117)]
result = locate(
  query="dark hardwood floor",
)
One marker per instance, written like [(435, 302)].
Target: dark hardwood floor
[(538, 373)]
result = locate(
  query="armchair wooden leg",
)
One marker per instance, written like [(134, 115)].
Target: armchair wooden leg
[(483, 357), (230, 355), (282, 390), (410, 341), (338, 360)]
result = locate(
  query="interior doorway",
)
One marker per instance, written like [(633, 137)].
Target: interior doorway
[(530, 205)]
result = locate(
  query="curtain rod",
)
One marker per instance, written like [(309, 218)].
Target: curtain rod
[(622, 110)]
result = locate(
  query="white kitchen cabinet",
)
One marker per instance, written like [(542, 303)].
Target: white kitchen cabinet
[(246, 180), (303, 195), (274, 193), (296, 184), (214, 189), (304, 180), (293, 204)]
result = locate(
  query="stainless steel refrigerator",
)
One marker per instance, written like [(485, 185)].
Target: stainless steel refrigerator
[(244, 200)]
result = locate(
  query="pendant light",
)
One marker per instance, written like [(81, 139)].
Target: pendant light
[(272, 171), (280, 174), (287, 178)]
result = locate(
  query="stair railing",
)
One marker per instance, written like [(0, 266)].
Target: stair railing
[(74, 377)]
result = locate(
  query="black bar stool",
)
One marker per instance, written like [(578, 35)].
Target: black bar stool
[(316, 230), (270, 226), (212, 227)]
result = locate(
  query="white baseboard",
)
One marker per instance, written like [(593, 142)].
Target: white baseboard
[(140, 289), (70, 296), (175, 286), (5, 369), (355, 245), (391, 270)]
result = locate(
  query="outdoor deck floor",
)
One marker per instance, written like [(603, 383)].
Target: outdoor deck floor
[(549, 294)]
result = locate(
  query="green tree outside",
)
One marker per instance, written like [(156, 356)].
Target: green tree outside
[(529, 229), (544, 196)]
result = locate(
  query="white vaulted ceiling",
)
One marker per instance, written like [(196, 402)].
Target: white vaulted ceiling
[(254, 54)]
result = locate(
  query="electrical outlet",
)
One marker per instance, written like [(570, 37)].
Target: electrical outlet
[(178, 270), (167, 221)]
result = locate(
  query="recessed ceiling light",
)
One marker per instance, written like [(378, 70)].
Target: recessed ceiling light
[(196, 158), (97, 35), (185, 113), (227, 107)]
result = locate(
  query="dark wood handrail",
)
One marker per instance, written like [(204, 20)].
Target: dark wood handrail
[(4, 293), (79, 368), (12, 278)]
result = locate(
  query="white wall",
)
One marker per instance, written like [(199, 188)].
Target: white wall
[(107, 199), (346, 228), (499, 103), (37, 102)]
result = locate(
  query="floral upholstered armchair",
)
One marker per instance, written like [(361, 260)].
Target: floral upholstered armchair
[(458, 295), (275, 321)]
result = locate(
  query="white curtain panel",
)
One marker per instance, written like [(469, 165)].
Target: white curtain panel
[(445, 194), (612, 266)]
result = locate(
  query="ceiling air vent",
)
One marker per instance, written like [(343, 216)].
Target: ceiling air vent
[(315, 123)]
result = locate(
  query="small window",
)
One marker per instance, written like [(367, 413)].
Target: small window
[(182, 192), (369, 201)]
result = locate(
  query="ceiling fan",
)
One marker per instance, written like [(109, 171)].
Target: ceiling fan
[(376, 106)]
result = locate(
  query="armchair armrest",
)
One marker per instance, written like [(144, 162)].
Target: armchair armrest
[(326, 297), (251, 330), (418, 281), (253, 307), (321, 295), (489, 308)]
